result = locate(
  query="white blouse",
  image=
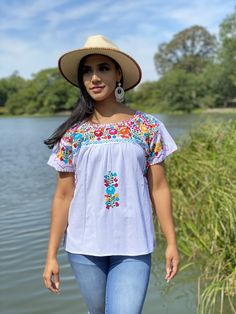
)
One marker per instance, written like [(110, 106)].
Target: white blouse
[(111, 210)]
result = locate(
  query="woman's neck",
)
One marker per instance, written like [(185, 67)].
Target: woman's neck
[(106, 111)]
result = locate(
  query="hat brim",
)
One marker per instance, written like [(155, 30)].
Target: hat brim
[(69, 62)]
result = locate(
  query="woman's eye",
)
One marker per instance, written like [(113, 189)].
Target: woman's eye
[(104, 68), (86, 70)]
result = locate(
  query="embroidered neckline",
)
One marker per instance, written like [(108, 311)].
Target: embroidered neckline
[(94, 124)]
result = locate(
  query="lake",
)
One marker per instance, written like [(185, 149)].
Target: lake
[(27, 187)]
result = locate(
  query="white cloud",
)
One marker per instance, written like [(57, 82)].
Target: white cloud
[(200, 15), (29, 9), (34, 34), (25, 58), (75, 13)]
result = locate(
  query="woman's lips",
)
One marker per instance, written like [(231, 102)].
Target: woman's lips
[(97, 89)]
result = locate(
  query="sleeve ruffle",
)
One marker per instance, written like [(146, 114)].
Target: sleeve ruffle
[(61, 157), (161, 144)]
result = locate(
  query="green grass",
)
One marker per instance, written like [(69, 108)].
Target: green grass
[(202, 177), (2, 111)]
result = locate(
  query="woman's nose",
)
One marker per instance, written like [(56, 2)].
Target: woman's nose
[(95, 77)]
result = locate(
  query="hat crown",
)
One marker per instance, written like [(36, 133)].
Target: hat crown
[(99, 41)]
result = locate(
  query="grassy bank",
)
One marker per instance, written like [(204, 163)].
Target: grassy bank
[(202, 178)]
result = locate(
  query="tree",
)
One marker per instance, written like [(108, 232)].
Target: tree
[(46, 92), (228, 39), (9, 86), (54, 94), (227, 57), (144, 96), (179, 91), (190, 50)]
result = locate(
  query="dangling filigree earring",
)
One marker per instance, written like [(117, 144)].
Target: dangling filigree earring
[(119, 93)]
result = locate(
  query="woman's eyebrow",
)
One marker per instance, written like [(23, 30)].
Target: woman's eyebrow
[(100, 64), (104, 63), (86, 66)]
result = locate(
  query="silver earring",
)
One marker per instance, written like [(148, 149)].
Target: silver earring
[(119, 93)]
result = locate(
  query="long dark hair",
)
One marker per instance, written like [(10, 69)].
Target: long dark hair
[(83, 109)]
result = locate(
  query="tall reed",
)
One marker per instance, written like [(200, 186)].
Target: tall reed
[(202, 177)]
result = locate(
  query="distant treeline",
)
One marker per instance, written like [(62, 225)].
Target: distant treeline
[(197, 71)]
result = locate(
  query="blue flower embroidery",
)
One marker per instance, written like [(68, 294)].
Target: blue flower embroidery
[(111, 182)]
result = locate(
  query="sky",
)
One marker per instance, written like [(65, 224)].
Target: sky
[(35, 33)]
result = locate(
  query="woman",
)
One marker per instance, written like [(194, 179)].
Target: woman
[(110, 163)]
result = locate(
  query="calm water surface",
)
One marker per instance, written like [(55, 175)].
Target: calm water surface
[(26, 191)]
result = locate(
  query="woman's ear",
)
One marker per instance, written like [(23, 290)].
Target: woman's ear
[(118, 75)]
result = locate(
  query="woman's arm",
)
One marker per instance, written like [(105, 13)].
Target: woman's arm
[(59, 215), (161, 199)]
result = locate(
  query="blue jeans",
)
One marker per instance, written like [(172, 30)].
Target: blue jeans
[(112, 284)]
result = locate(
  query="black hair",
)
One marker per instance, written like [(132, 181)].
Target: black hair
[(84, 107)]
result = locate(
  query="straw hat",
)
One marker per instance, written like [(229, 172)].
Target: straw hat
[(98, 44)]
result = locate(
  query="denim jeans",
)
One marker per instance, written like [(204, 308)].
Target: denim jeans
[(112, 284)]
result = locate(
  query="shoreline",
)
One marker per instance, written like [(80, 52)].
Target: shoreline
[(220, 110), (67, 113)]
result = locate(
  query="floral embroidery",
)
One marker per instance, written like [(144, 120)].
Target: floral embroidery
[(134, 130), (111, 197), (156, 149), (65, 149), (143, 129), (64, 155), (101, 135)]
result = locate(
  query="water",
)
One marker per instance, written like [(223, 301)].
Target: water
[(26, 190)]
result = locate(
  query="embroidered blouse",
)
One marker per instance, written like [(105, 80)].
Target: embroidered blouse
[(111, 211)]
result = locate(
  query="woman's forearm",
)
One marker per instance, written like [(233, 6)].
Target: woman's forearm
[(59, 218), (161, 199)]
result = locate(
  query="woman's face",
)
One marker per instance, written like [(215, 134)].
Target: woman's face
[(100, 76)]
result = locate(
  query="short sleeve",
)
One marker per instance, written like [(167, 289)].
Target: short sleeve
[(161, 144), (61, 157)]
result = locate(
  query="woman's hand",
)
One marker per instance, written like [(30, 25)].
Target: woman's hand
[(172, 262), (51, 275)]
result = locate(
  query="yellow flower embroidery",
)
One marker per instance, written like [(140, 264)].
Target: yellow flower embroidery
[(158, 147), (143, 128), (60, 153)]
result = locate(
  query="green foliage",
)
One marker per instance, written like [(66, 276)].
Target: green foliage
[(218, 84), (9, 86), (228, 39), (189, 50), (146, 96), (202, 179), (197, 73), (47, 92), (227, 57), (179, 91)]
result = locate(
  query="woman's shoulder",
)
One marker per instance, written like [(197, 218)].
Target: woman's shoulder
[(67, 137), (72, 129), (150, 120)]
